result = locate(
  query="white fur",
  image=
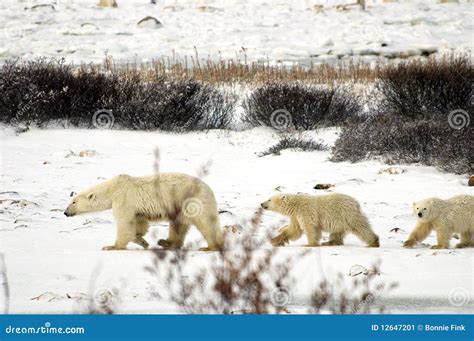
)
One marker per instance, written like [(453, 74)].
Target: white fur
[(179, 199), (454, 215), (335, 213)]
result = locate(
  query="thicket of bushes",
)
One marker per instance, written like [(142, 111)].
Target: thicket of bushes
[(299, 142), (307, 106), (428, 89), (398, 141), (414, 119), (409, 123), (43, 91)]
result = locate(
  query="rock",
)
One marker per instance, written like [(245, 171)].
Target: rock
[(41, 7), (46, 163), (10, 192), (279, 188), (323, 186), (47, 296), (471, 181), (348, 7), (21, 130), (397, 230), (19, 203), (173, 8), (318, 9), (85, 153), (71, 153), (391, 170), (361, 270), (78, 296), (208, 9), (107, 3), (89, 27), (234, 228), (149, 22), (358, 270)]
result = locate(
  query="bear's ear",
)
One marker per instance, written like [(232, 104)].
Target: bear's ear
[(90, 196)]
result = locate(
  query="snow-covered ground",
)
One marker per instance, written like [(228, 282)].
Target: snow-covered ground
[(282, 30), (49, 256)]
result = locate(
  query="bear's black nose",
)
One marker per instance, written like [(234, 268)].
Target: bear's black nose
[(66, 214), (419, 214)]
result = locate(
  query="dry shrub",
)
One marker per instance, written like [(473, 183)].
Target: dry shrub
[(394, 140), (307, 106), (357, 297), (240, 71), (41, 91), (428, 89), (244, 279), (296, 142)]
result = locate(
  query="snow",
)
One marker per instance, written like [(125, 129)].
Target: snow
[(278, 31), (50, 257)]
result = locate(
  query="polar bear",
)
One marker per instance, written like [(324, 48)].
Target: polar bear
[(445, 217), (335, 213), (179, 199)]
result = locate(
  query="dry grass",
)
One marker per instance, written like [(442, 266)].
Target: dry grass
[(241, 71)]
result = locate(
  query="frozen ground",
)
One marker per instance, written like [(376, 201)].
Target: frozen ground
[(282, 30), (49, 256)]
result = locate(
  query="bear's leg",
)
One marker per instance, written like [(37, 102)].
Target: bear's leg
[(313, 233), (421, 231), (466, 240), (176, 234), (442, 237), (142, 229), (141, 241), (289, 232), (335, 238), (360, 226), (367, 236), (126, 232), (211, 231)]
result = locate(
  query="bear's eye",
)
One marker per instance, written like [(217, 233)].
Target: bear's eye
[(73, 202), (424, 209)]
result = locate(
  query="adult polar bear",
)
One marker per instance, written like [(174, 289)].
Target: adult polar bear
[(179, 199), (335, 213), (445, 217)]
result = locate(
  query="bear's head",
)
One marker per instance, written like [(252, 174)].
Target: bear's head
[(86, 202), (276, 203), (423, 210)]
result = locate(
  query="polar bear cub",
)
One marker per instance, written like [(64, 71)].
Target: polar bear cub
[(337, 214), (179, 199), (445, 217)]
